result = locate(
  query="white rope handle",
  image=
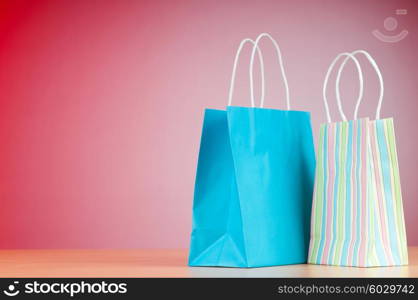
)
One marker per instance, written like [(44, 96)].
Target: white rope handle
[(279, 55), (324, 89), (379, 75), (234, 70)]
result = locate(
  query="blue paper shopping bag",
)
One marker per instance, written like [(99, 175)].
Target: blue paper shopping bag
[(254, 185)]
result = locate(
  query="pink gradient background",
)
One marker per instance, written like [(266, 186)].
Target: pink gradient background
[(102, 105)]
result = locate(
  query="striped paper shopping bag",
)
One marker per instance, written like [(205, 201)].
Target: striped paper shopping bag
[(357, 214)]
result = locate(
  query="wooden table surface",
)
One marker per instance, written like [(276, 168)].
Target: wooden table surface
[(165, 263)]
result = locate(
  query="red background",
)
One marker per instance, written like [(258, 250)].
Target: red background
[(102, 101)]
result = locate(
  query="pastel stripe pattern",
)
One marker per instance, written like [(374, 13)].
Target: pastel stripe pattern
[(357, 213)]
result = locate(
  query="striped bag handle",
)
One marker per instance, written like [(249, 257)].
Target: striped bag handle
[(379, 75), (324, 89), (234, 70)]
